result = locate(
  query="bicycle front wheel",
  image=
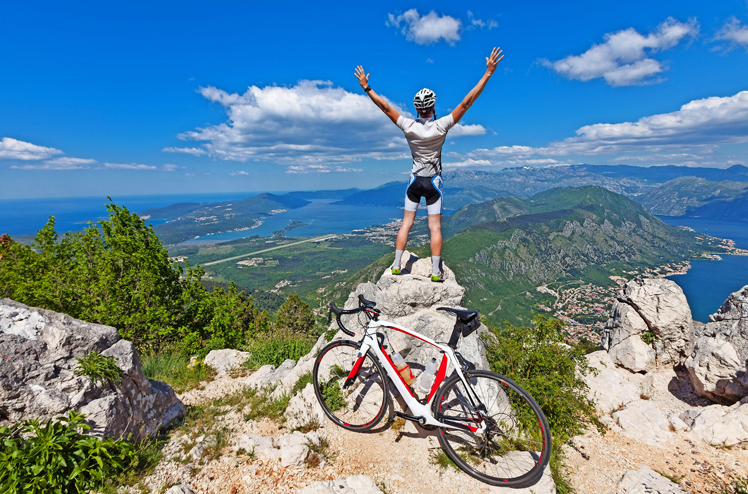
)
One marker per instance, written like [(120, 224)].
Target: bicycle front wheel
[(516, 444), (355, 403)]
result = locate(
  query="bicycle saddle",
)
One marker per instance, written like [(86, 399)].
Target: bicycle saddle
[(462, 314)]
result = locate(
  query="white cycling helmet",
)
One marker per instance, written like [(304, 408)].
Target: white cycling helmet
[(425, 98)]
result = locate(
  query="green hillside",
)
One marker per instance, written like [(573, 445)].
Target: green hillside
[(693, 196), (190, 220), (585, 233)]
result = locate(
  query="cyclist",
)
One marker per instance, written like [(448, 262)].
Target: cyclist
[(425, 137)]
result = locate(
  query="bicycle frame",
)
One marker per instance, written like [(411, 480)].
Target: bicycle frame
[(419, 410)]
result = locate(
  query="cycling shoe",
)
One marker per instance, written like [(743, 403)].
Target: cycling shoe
[(437, 278)]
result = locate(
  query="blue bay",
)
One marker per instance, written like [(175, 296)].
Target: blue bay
[(708, 283)]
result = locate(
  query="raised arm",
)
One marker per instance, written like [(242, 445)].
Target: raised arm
[(491, 63), (363, 79)]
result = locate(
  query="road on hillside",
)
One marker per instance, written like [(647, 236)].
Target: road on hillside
[(316, 239)]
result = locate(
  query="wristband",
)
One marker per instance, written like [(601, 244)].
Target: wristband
[(367, 88)]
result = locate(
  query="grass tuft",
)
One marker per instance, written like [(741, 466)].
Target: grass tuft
[(175, 370), (99, 368)]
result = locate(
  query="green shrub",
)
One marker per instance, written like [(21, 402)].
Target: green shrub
[(58, 458), (540, 361), (99, 368), (173, 368), (295, 316), (273, 348)]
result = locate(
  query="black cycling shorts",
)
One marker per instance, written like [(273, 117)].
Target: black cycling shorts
[(428, 187)]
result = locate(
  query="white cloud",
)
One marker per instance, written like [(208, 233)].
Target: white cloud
[(623, 59), (192, 151), (311, 123), (61, 163), (428, 29), (13, 149), (460, 130), (734, 32), (689, 135), (320, 169), (170, 168), (240, 172), (474, 22), (130, 166)]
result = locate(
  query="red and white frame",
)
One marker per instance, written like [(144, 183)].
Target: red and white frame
[(417, 409)]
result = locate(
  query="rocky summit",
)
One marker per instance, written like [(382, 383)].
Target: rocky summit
[(39, 351)]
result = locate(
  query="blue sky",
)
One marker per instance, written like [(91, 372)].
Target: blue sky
[(155, 98)]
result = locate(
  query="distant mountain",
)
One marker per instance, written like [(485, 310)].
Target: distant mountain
[(586, 233), (189, 220), (692, 196), (738, 173)]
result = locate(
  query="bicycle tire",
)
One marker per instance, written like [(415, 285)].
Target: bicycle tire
[(345, 407), (515, 406)]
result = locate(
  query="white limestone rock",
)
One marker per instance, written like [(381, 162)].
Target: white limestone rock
[(654, 305), (608, 388), (304, 409), (40, 350), (225, 360), (646, 481), (643, 421), (180, 489), (718, 425), (294, 455), (717, 366)]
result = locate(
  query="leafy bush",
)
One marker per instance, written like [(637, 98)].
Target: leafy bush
[(116, 272), (58, 458), (295, 316), (649, 337), (273, 348), (174, 368), (99, 368), (540, 361)]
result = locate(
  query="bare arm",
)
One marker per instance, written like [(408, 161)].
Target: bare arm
[(491, 63), (363, 80)]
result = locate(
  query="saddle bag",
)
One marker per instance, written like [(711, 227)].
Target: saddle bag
[(466, 328)]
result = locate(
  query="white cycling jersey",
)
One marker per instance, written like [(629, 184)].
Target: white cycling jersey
[(426, 138)]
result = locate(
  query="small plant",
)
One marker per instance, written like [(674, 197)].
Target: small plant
[(276, 347), (332, 394), (58, 457), (649, 337), (175, 369), (322, 449), (301, 383), (398, 424), (99, 368), (441, 460)]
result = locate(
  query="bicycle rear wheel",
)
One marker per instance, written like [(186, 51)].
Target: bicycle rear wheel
[(516, 445), (358, 403)]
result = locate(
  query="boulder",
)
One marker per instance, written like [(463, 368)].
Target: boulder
[(646, 481), (608, 387), (643, 421), (38, 355), (225, 360), (717, 366), (718, 425), (294, 455), (656, 306)]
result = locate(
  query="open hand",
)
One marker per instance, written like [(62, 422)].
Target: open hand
[(493, 60), (363, 77)]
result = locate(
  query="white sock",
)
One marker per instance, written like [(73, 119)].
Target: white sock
[(435, 267), (398, 255)]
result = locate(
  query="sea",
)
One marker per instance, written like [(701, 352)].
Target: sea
[(320, 217), (708, 283)]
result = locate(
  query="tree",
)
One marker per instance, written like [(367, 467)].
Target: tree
[(295, 316)]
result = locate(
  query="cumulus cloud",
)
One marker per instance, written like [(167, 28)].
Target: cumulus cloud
[(624, 58), (733, 32), (311, 123), (428, 29), (240, 172), (320, 169), (192, 151), (127, 166), (170, 168), (13, 149), (686, 136)]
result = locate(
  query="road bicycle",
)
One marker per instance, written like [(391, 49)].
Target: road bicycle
[(487, 424)]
